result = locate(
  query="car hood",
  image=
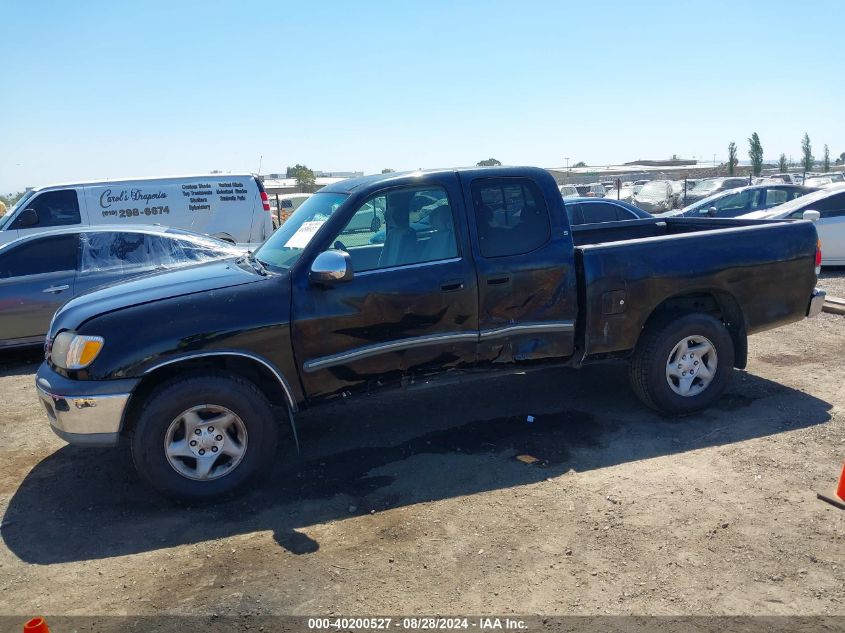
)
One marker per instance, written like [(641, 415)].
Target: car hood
[(148, 288)]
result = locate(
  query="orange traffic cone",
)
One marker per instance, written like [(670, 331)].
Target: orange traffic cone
[(838, 498), (36, 625)]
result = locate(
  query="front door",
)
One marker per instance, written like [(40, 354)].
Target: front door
[(411, 307), (526, 274), (36, 278)]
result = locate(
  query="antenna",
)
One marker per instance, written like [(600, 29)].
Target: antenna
[(260, 160)]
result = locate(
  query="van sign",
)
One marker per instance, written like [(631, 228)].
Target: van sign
[(107, 198)]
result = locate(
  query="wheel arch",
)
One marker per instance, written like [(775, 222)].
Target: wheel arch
[(718, 303), (267, 378)]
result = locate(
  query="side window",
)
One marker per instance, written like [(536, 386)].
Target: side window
[(39, 256), (511, 216), (775, 197), (54, 208), (600, 212), (738, 201), (400, 227), (119, 252)]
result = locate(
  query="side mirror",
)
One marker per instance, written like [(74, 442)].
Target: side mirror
[(27, 218), (812, 216), (331, 266), (712, 211), (375, 224)]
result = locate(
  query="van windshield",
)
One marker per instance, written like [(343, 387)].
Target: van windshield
[(285, 246), (18, 205)]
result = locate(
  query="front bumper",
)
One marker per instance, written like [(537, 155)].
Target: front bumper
[(816, 302), (83, 412)]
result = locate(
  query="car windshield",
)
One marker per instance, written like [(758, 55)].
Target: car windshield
[(707, 186), (18, 205), (286, 245), (653, 189)]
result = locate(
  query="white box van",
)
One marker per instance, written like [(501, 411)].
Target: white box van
[(232, 207)]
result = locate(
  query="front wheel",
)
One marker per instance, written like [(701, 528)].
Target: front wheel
[(682, 364), (201, 437)]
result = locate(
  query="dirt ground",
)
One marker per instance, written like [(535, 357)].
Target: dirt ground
[(415, 502)]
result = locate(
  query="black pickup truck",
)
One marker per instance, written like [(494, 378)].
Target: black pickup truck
[(395, 279)]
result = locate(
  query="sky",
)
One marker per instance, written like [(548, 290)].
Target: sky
[(112, 89)]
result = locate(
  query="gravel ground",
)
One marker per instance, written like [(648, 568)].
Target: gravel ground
[(418, 502)]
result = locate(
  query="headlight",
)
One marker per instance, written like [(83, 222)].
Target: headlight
[(75, 351)]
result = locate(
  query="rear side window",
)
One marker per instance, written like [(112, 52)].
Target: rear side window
[(602, 212), (48, 255), (511, 216), (54, 208)]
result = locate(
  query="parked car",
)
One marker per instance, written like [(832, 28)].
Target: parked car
[(231, 207), (821, 181), (625, 194), (592, 190), (308, 318), (569, 191), (39, 272), (656, 196), (736, 202), (829, 204), (792, 179), (711, 186), (592, 210), (678, 190), (282, 206)]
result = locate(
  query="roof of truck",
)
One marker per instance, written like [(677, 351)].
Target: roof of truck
[(352, 184)]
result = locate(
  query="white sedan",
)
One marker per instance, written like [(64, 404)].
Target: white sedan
[(829, 207)]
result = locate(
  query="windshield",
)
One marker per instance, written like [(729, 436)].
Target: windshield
[(285, 246), (18, 205), (653, 189), (706, 186)]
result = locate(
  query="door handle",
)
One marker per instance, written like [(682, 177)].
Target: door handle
[(55, 289), (451, 286), (498, 280)]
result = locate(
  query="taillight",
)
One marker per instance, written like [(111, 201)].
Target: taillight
[(265, 201), (818, 256)]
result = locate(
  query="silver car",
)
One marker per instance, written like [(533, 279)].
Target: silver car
[(40, 272)]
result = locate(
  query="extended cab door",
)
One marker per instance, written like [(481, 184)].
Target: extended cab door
[(411, 307), (525, 265)]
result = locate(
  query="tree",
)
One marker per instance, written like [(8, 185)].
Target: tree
[(580, 163), (10, 199), (807, 153), (782, 163), (826, 163), (387, 170), (733, 161), (755, 153), (305, 178), (489, 162)]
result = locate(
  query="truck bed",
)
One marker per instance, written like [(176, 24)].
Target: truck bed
[(758, 273)]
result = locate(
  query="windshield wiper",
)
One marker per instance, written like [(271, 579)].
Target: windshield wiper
[(256, 265)]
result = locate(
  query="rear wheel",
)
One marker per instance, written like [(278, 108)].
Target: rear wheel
[(201, 437), (682, 364)]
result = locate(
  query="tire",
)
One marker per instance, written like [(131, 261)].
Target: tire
[(662, 341), (244, 443)]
